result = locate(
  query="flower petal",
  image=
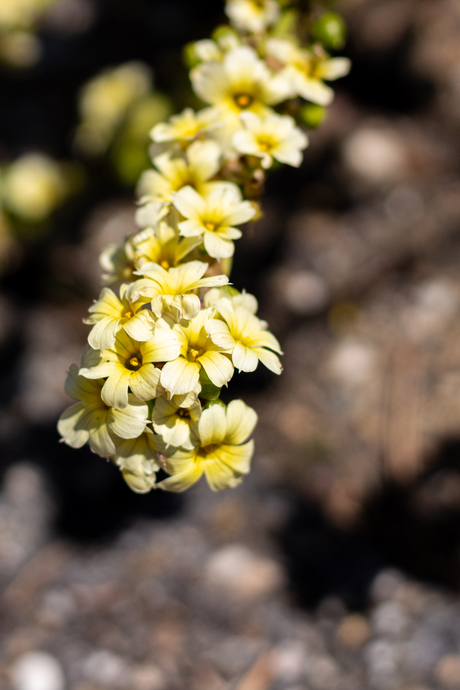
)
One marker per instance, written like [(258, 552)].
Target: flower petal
[(241, 420), (180, 376)]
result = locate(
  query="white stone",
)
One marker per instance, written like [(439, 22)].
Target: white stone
[(242, 573), (375, 154), (305, 292), (104, 666), (37, 671)]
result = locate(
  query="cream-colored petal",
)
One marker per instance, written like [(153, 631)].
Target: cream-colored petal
[(220, 476), (237, 457), (115, 390), (68, 426), (220, 334), (191, 228), (268, 358), (138, 481), (210, 82), (241, 421), (241, 214), (212, 425), (141, 326), (244, 358), (108, 304), (163, 347), (103, 333), (190, 306), (180, 376), (217, 247), (131, 421), (314, 90), (335, 68), (217, 366), (204, 158), (145, 383), (182, 481), (189, 203), (136, 453), (100, 440)]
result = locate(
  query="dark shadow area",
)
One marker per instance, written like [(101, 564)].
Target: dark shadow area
[(415, 528), (92, 502), (383, 79)]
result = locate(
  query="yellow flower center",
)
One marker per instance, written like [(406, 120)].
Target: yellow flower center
[(135, 362), (265, 143), (210, 226), (193, 353), (243, 100), (128, 315), (184, 414), (207, 450), (164, 264)]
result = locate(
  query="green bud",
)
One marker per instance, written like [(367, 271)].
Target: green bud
[(330, 30), (211, 403), (312, 114), (208, 390), (189, 56), (222, 33), (286, 23)]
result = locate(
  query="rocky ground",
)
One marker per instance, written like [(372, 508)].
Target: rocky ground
[(335, 566)]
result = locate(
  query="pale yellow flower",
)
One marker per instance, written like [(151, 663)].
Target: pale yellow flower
[(240, 82), (214, 217), (110, 314), (307, 69), (33, 186), (237, 299), (162, 246), (220, 450), (274, 137), (173, 421), (172, 291), (252, 15), (118, 263), (138, 460), (195, 168), (105, 101), (131, 363), (197, 351), (186, 127), (245, 336), (92, 420)]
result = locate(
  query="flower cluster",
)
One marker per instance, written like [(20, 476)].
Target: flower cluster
[(163, 344), (19, 45)]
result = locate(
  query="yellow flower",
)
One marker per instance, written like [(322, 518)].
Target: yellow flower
[(131, 363), (92, 420), (306, 70), (214, 217), (245, 336), (240, 82), (173, 421), (109, 315), (274, 137), (117, 262), (171, 291), (104, 102), (33, 186), (186, 127), (220, 450), (138, 460), (237, 299), (252, 15), (198, 165), (197, 350), (163, 246)]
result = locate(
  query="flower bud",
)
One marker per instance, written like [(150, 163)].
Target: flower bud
[(329, 29)]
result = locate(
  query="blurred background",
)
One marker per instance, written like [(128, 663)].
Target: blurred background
[(336, 565)]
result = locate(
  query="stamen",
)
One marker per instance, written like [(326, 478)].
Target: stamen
[(243, 100)]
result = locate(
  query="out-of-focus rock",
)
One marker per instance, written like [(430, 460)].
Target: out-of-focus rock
[(148, 677), (243, 574), (354, 631), (37, 671), (305, 292), (375, 155), (25, 512), (390, 619), (106, 667), (448, 671)]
